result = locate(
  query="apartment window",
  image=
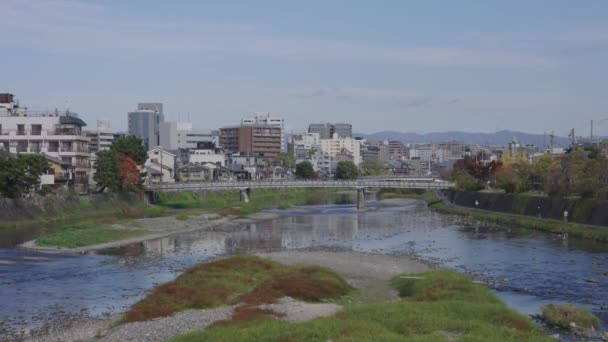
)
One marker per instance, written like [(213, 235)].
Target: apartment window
[(36, 129), (20, 129), (66, 147), (53, 146), (35, 146), (22, 146), (0, 129)]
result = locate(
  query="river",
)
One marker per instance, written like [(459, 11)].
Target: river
[(526, 269)]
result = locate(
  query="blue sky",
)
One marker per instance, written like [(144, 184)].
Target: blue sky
[(415, 66)]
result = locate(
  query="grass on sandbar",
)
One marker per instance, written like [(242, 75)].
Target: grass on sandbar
[(240, 279), (85, 234), (562, 315), (437, 306)]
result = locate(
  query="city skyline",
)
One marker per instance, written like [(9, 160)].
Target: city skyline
[(475, 67)]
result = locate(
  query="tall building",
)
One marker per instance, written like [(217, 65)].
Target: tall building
[(102, 138), (145, 123), (177, 135), (252, 139), (267, 119), (340, 146), (58, 135), (327, 130)]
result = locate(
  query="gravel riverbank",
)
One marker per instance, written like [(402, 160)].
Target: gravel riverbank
[(360, 269)]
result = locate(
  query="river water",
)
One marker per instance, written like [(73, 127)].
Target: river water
[(526, 269)]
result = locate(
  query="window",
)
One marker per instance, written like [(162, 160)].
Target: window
[(20, 129), (36, 129)]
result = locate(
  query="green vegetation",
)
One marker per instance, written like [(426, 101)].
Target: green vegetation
[(347, 170), (284, 159), (305, 170), (239, 279), (229, 203), (436, 306), (545, 225), (116, 168), (562, 316), (20, 174), (85, 234), (505, 220)]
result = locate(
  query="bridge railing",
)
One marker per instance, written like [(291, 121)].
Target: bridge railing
[(368, 183)]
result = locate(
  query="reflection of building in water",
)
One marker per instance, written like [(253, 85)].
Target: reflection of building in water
[(208, 242), (319, 230), (258, 236)]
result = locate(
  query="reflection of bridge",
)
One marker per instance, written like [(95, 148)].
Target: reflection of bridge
[(360, 184)]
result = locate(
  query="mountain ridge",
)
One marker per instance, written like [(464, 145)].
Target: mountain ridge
[(502, 137)]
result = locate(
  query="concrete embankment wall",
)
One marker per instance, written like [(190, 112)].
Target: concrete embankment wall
[(588, 211), (52, 206)]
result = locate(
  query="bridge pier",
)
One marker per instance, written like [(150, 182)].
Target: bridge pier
[(360, 198), (149, 197), (245, 194)]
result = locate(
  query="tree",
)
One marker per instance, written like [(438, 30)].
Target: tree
[(465, 182), (305, 170), (107, 170), (347, 170), (507, 179), (21, 174), (115, 168), (284, 159), (131, 146)]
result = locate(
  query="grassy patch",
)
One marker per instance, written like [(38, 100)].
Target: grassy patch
[(182, 216), (562, 316), (441, 306), (84, 234), (386, 193), (227, 203), (234, 280), (545, 225)]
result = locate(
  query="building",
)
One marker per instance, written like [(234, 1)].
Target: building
[(327, 130), (178, 135), (269, 120), (58, 135), (338, 145), (397, 151), (304, 144), (102, 138), (160, 166), (252, 139), (145, 123), (208, 155)]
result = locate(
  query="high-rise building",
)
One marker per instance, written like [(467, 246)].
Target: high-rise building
[(102, 138), (145, 123), (267, 119), (177, 135), (327, 130), (252, 139), (58, 135)]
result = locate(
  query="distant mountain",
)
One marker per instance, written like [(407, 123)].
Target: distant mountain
[(498, 138)]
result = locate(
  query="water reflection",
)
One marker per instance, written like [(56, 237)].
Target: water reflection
[(539, 267)]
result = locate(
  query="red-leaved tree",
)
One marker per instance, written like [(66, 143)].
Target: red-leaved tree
[(128, 172)]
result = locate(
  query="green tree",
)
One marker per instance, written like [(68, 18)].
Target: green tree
[(347, 170), (465, 182), (284, 159), (305, 170), (21, 174), (131, 146), (108, 173)]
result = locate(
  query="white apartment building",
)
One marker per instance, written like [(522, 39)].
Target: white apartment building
[(305, 143), (178, 135), (338, 145), (58, 135), (207, 156), (267, 118)]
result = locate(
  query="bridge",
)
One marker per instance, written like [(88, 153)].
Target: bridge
[(245, 187)]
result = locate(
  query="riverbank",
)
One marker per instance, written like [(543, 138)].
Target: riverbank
[(429, 305), (175, 213), (503, 220), (159, 227)]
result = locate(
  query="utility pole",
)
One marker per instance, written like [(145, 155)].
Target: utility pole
[(591, 138), (551, 138)]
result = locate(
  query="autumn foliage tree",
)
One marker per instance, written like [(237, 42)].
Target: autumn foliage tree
[(118, 168)]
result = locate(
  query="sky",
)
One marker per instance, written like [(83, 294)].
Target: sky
[(411, 66)]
